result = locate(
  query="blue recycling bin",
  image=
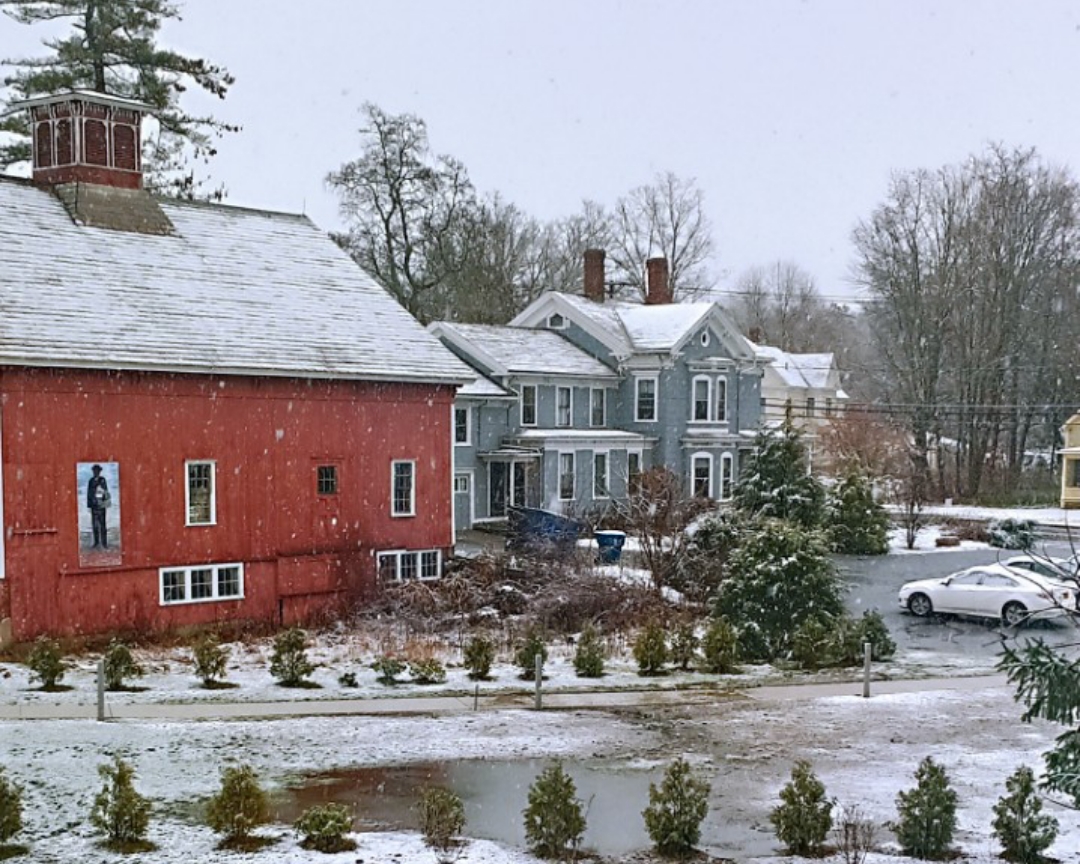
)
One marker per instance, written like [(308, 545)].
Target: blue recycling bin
[(609, 545)]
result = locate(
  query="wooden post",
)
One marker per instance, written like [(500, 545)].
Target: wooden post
[(476, 699), (868, 650), (101, 689), (539, 673)]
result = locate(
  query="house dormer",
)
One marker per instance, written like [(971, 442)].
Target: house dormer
[(86, 137)]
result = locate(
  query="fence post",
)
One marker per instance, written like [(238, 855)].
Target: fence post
[(101, 689), (539, 673), (868, 650), (476, 698)]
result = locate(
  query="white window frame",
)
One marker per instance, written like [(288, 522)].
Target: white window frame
[(638, 380), (186, 570), (567, 454), (593, 393), (704, 338), (399, 554), (811, 406), (694, 458), (721, 404), (463, 475), (708, 384), (535, 404), (551, 321), (559, 391), (188, 465), (394, 512), (727, 476), (604, 491), (629, 475), (468, 426)]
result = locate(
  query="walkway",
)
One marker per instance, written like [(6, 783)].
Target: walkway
[(438, 705)]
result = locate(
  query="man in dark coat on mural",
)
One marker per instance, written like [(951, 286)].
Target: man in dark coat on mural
[(98, 500)]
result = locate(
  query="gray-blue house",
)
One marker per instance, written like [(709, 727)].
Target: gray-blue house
[(593, 391)]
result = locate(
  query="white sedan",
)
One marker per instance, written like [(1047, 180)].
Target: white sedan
[(989, 591)]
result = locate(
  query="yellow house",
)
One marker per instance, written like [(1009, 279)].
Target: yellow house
[(1070, 463)]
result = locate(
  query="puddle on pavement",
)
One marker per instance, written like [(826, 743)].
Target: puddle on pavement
[(494, 793)]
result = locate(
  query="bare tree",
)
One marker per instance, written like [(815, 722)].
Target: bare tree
[(410, 214), (666, 218)]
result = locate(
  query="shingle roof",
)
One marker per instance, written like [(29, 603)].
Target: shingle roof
[(798, 370), (523, 351), (233, 291)]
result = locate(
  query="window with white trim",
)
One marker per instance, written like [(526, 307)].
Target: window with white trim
[(633, 473), (564, 406), (597, 407), (600, 475), (701, 475), (528, 404), (200, 493), (810, 406), (407, 565), (645, 399), (702, 399), (566, 476), (556, 322), (721, 400), (203, 583), (403, 488), (462, 426), (727, 476), (461, 483)]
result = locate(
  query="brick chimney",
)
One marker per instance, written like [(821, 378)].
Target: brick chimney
[(594, 275), (658, 291), (86, 137)]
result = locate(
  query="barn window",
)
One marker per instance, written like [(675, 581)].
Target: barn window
[(202, 584), (403, 488), (326, 479), (402, 566), (201, 494)]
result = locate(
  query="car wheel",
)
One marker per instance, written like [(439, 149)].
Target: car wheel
[(1014, 614), (920, 605)]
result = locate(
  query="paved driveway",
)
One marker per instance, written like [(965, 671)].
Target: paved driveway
[(874, 583)]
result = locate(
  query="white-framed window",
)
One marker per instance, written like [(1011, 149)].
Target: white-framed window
[(645, 399), (600, 474), (403, 487), (201, 583), (461, 483), (462, 426), (200, 492), (528, 404), (721, 400), (403, 565), (566, 476), (564, 406), (704, 338), (701, 475), (810, 406), (556, 322), (727, 476), (633, 472), (702, 411), (597, 407)]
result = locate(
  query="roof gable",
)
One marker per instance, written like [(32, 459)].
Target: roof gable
[(232, 291)]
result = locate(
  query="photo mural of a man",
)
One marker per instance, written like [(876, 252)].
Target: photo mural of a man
[(99, 513)]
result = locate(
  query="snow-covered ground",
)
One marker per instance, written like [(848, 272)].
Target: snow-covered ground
[(926, 541)]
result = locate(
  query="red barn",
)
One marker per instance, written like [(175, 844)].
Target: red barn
[(207, 413)]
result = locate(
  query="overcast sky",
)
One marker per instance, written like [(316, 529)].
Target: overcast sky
[(790, 115)]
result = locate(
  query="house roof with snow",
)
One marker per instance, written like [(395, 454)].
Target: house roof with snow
[(211, 289), (810, 371), (521, 351), (637, 328)]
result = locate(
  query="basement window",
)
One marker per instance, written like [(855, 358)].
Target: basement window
[(402, 566), (201, 584)]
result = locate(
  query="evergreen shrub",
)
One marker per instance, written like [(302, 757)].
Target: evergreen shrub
[(325, 828), (804, 817), (289, 663), (211, 658), (684, 645), (589, 654), (46, 663), (119, 812), (1012, 534), (650, 649), (1025, 832), (239, 807), (478, 656), (387, 669), (676, 810), (531, 645), (11, 808), (120, 665), (857, 524), (554, 819), (720, 647), (427, 671), (442, 818), (927, 814)]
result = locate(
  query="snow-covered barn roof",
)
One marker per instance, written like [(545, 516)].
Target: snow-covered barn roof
[(229, 291), (522, 351)]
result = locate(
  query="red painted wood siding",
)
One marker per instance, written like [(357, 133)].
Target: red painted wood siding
[(302, 552)]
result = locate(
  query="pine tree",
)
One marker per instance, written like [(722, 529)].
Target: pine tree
[(589, 654), (119, 812), (10, 809), (804, 817), (239, 807), (113, 48), (120, 664), (554, 821), (858, 525), (289, 662), (777, 579), (927, 813), (1024, 830), (776, 481)]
